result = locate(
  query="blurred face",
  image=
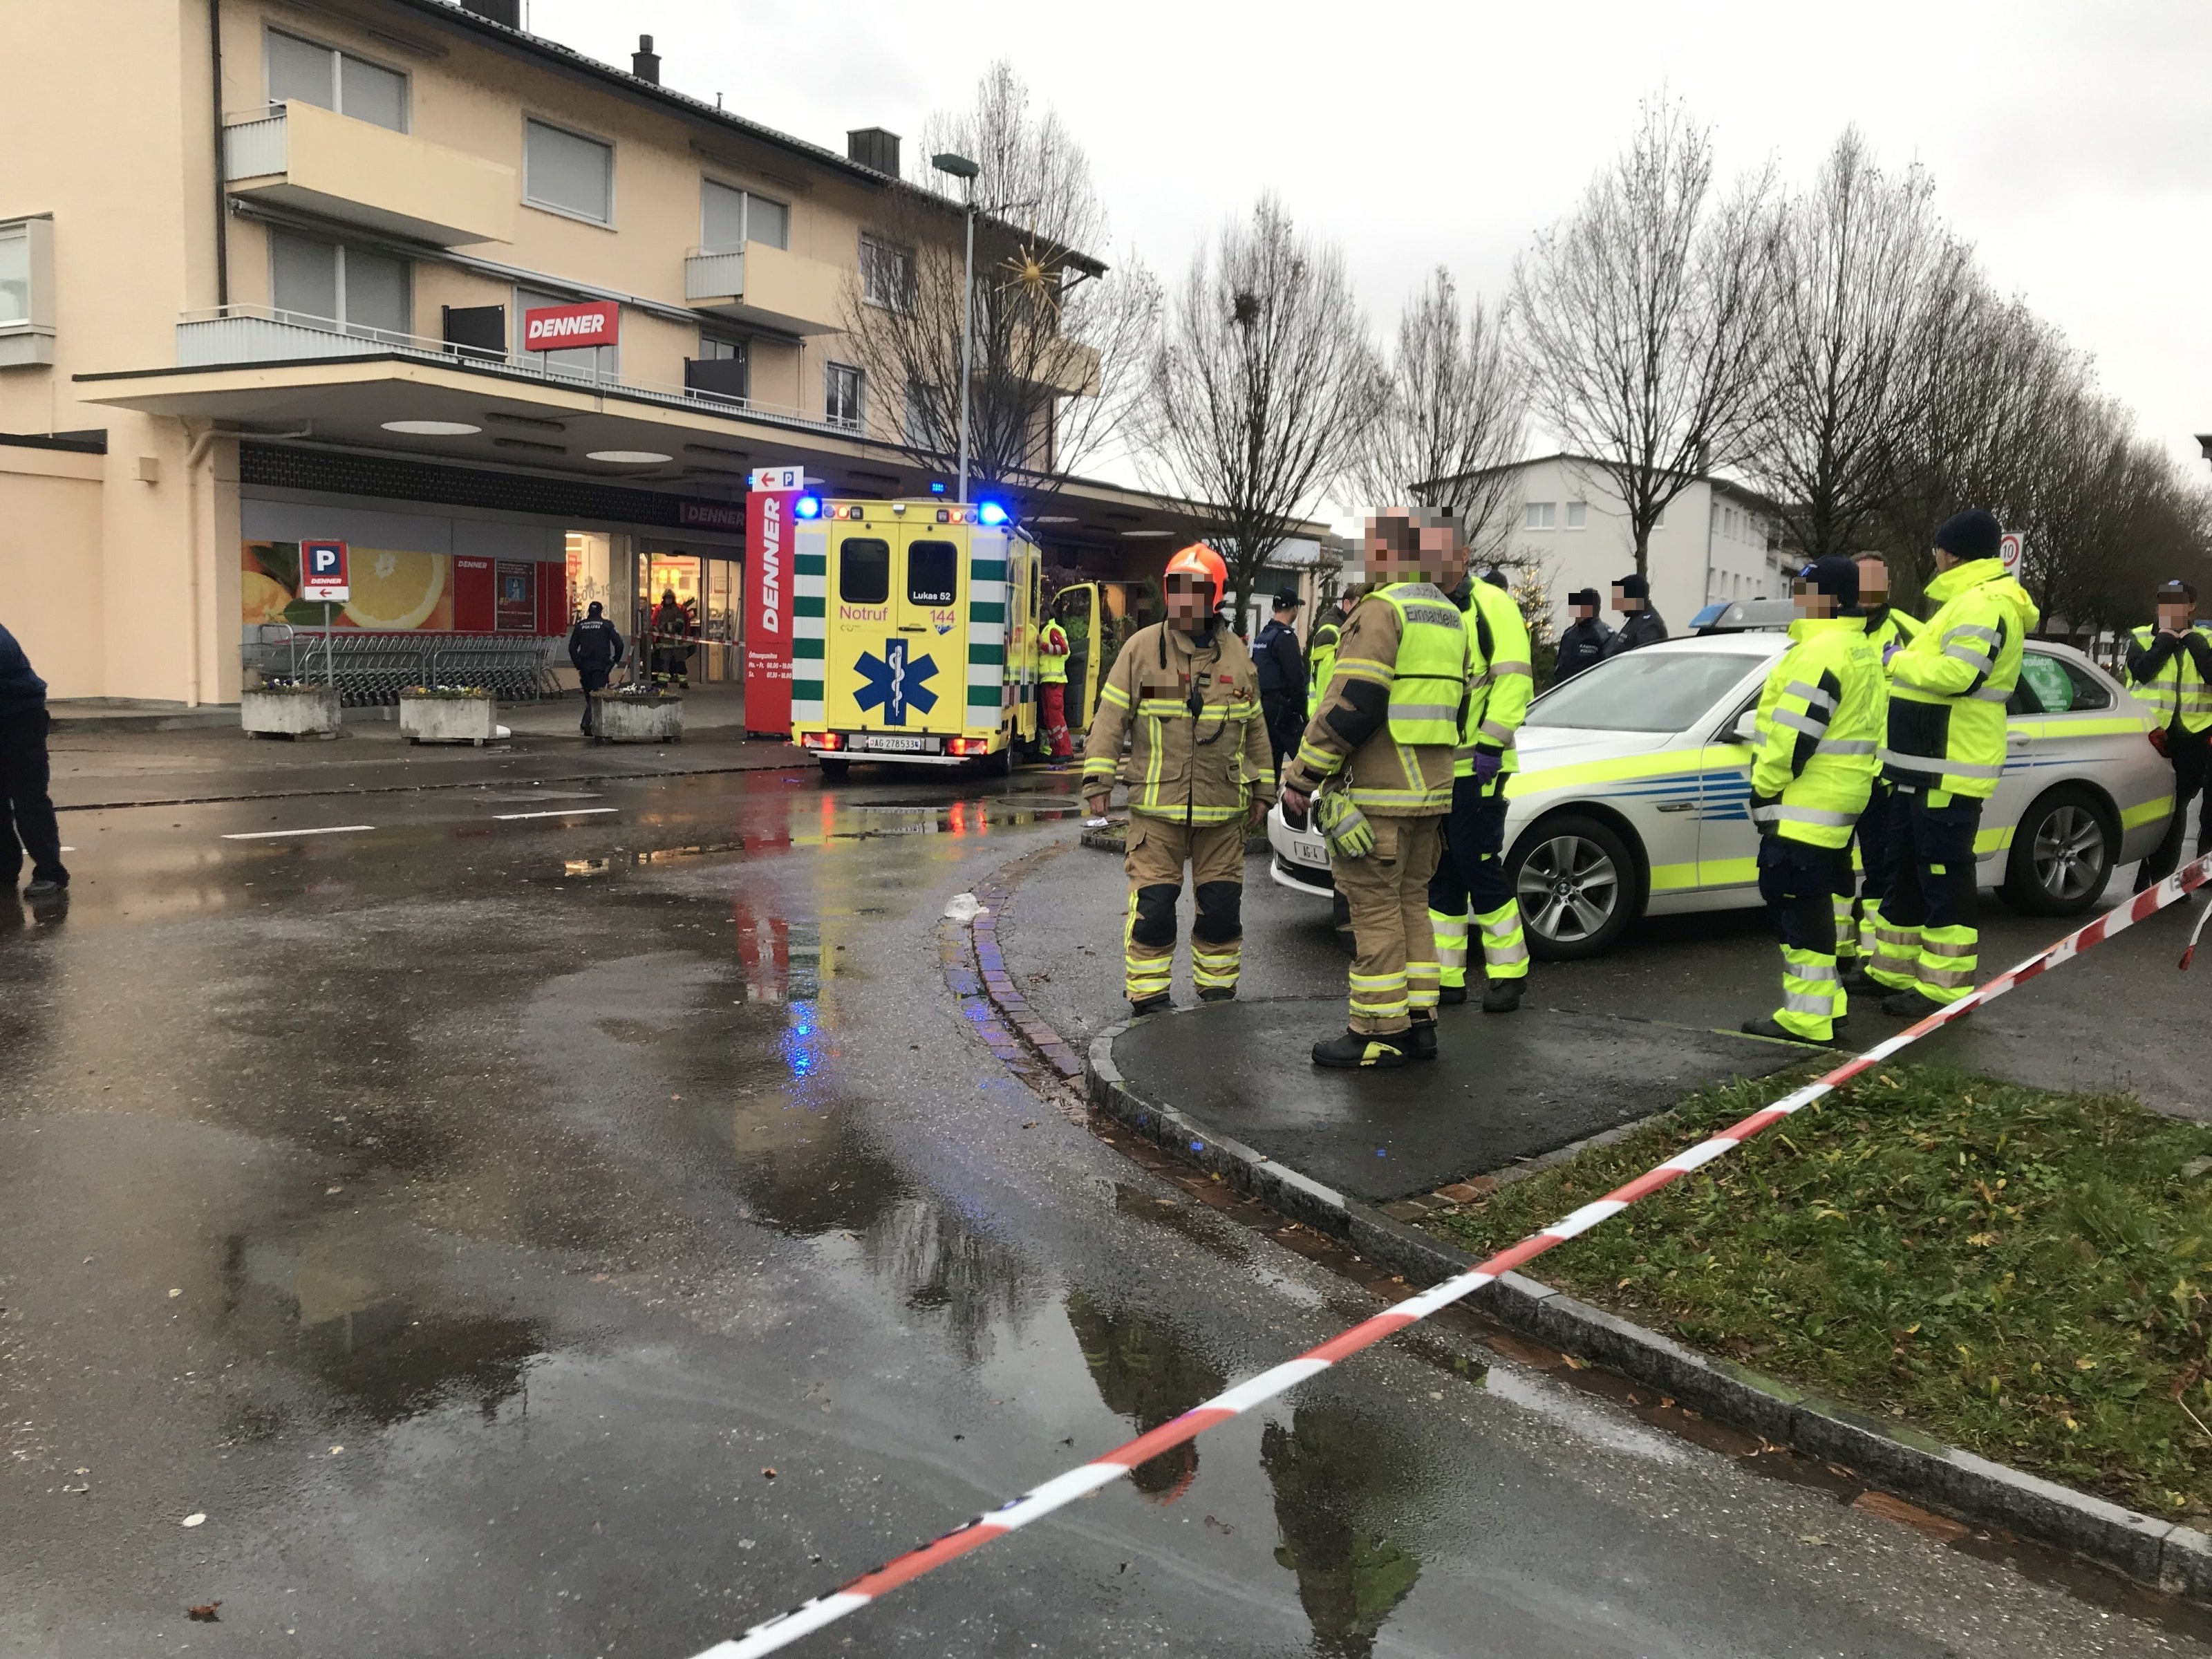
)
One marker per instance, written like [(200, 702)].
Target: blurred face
[(1584, 612), (1190, 603), (1874, 582), (2174, 616), (1809, 602), (1944, 560), (1400, 550), (1621, 602)]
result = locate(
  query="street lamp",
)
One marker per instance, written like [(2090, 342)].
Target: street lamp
[(959, 166)]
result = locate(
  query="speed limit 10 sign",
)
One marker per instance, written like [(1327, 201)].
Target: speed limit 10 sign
[(2010, 546)]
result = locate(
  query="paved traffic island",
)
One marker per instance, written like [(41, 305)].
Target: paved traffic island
[(1503, 1090)]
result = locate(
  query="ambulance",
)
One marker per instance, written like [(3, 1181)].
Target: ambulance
[(914, 634)]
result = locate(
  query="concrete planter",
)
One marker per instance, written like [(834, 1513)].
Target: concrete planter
[(309, 711), (448, 719), (637, 719)]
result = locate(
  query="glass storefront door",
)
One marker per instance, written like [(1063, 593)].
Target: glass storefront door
[(709, 589)]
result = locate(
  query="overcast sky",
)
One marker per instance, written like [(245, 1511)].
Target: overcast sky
[(2069, 139)]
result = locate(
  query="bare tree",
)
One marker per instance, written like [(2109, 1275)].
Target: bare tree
[(1640, 318), (1259, 387), (1861, 271), (1060, 341), (1452, 419)]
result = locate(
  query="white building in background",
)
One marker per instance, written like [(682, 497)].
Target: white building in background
[(1714, 542)]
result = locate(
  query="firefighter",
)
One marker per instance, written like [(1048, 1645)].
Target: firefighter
[(1188, 695), (1821, 720), (1052, 650), (1380, 742), (2170, 667), (1469, 889), (1889, 630), (1582, 643), (1944, 758)]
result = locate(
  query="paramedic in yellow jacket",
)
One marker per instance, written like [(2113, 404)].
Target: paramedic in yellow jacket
[(1186, 696), (1379, 748)]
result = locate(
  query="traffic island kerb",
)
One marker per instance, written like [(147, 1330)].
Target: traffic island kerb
[(2170, 1557)]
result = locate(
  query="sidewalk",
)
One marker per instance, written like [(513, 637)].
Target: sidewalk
[(156, 762)]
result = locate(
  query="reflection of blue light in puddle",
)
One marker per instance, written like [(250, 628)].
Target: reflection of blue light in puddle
[(801, 1043)]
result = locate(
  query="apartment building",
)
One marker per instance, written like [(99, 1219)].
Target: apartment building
[(515, 324), (1714, 542)]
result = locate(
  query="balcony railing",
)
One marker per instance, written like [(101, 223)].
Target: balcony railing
[(237, 334), (765, 284)]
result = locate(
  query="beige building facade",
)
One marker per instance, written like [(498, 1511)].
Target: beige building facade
[(274, 284)]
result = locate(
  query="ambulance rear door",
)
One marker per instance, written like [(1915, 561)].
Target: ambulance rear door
[(1077, 609), (928, 596)]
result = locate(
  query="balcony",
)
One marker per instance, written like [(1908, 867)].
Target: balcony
[(252, 336), (301, 156), (766, 285)]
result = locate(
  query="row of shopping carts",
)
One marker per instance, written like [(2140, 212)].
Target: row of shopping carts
[(370, 670)]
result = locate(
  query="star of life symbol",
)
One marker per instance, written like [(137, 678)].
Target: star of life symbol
[(893, 682)]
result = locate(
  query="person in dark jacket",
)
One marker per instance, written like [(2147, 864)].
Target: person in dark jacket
[(595, 646), (27, 811), (1583, 644), (1282, 677), (1631, 597)]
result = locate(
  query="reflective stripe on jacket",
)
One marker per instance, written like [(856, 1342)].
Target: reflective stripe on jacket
[(1358, 726), (1199, 768), (1949, 688), (1821, 720), (1500, 679), (1052, 655), (2177, 688)]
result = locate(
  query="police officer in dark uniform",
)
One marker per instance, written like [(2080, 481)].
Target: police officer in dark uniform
[(595, 646), (27, 811), (1282, 676), (1641, 625), (1583, 644)]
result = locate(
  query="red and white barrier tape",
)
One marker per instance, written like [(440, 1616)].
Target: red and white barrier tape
[(1040, 1501)]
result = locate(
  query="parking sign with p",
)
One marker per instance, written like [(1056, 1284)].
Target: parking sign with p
[(323, 571)]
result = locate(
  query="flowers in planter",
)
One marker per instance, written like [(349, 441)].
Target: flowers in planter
[(447, 691)]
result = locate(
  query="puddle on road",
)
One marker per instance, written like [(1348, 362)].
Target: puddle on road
[(1336, 1473)]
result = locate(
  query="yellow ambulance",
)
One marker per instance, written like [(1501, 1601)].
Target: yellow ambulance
[(912, 634)]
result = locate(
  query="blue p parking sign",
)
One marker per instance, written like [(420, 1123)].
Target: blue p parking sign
[(323, 572)]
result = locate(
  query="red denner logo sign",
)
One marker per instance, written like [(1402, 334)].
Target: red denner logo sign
[(559, 328)]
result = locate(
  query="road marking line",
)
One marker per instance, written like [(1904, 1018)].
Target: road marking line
[(275, 835), (1062, 1489), (566, 812)]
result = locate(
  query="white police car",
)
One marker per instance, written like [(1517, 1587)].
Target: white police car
[(1633, 797)]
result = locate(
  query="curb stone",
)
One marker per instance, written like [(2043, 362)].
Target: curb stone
[(2173, 1558)]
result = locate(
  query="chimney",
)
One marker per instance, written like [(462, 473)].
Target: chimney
[(505, 12), (873, 146), (645, 62)]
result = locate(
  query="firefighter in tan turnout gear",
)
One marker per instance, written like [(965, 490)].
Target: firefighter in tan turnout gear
[(1375, 768), (1186, 696)]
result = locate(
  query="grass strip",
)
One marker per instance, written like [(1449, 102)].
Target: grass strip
[(2021, 1272)]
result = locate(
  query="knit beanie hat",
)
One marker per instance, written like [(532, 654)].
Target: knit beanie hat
[(1836, 577), (1973, 534)]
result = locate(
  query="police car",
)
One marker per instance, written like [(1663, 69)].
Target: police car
[(1634, 794)]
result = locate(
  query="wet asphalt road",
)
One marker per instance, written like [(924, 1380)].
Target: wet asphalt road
[(465, 1215)]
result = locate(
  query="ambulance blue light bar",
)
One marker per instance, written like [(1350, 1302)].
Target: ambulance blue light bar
[(991, 512), (808, 506)]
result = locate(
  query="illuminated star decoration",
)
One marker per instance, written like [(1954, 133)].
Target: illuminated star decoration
[(893, 682)]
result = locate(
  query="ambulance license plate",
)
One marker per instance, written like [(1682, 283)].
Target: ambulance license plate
[(897, 746)]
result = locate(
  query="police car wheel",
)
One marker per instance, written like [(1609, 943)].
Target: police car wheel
[(833, 771), (1579, 886), (2063, 853)]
